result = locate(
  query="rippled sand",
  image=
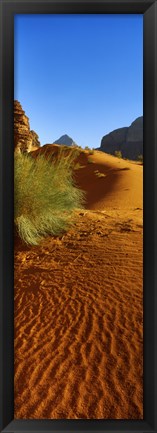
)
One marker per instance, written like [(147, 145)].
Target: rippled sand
[(78, 320)]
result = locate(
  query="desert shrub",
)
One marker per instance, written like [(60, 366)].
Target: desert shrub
[(90, 160), (118, 153), (140, 158), (44, 195), (91, 152)]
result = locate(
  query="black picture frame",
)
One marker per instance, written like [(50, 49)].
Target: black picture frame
[(7, 10)]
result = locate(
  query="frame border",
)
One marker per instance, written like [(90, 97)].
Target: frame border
[(7, 10)]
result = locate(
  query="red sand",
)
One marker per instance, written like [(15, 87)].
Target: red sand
[(79, 305)]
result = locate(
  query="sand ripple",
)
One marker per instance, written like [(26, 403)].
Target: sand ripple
[(78, 323)]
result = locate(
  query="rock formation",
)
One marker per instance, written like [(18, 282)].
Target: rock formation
[(65, 140), (24, 139), (128, 140), (35, 140)]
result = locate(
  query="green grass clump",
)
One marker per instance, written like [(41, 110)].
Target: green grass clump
[(90, 151), (140, 158), (44, 195), (118, 153), (90, 160)]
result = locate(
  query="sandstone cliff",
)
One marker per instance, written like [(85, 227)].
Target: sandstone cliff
[(25, 140)]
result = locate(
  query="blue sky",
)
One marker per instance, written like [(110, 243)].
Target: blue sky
[(80, 75)]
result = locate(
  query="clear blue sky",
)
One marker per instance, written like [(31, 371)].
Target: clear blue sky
[(80, 75)]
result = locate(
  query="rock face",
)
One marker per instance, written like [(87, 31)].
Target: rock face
[(114, 140), (24, 139), (128, 140), (65, 140), (135, 131)]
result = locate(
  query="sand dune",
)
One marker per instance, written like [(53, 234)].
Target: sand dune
[(79, 306), (120, 188)]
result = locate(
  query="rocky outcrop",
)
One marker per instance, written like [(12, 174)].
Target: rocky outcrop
[(114, 140), (65, 140), (35, 140), (135, 131), (128, 140), (24, 139)]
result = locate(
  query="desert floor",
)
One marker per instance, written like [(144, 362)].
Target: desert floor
[(79, 305)]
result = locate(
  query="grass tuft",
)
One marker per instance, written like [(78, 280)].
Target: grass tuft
[(44, 195), (118, 153), (140, 158), (90, 160)]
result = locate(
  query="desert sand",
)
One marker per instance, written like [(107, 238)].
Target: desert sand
[(79, 305)]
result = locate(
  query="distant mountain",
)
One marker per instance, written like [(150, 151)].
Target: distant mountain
[(65, 140), (128, 140)]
